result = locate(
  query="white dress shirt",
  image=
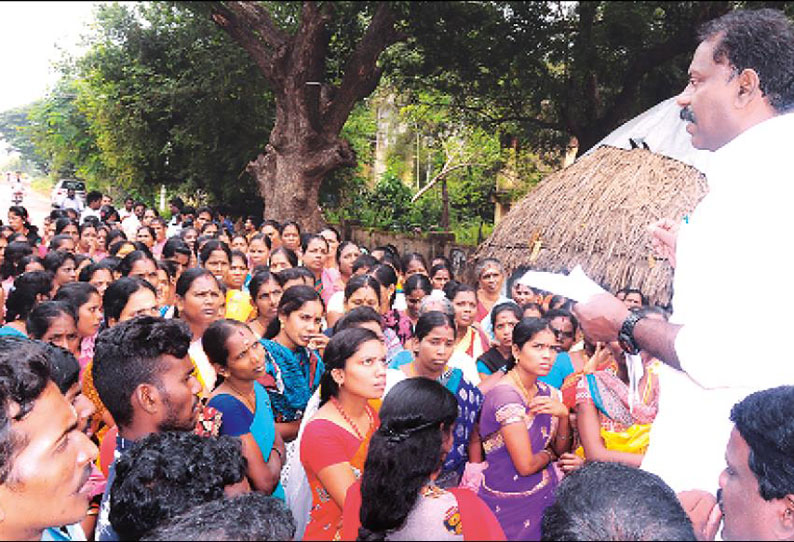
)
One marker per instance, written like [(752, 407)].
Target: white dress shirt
[(733, 294)]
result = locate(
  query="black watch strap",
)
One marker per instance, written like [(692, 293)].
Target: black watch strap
[(626, 333)]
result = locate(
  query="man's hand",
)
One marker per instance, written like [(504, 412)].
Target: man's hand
[(601, 317), (703, 512), (664, 234)]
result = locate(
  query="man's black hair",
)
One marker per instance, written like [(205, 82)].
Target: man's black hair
[(765, 420), (166, 474), (357, 316), (27, 287), (365, 260), (130, 354), (562, 313), (294, 273), (92, 196), (175, 245), (252, 516), (24, 373), (177, 202), (643, 299), (761, 40), (206, 209), (611, 501), (64, 367)]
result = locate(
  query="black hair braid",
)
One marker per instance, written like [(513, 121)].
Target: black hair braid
[(403, 453)]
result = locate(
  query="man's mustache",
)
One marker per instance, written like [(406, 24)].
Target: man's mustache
[(687, 115)]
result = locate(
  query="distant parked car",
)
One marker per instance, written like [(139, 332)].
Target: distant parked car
[(60, 188)]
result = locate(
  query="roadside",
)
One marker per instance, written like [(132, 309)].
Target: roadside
[(36, 199)]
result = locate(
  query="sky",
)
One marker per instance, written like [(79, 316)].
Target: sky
[(30, 34)]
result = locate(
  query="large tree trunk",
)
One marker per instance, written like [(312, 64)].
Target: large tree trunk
[(304, 144), (289, 181)]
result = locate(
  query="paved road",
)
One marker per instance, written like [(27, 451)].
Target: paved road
[(38, 205)]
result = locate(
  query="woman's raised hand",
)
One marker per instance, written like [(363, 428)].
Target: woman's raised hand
[(548, 405)]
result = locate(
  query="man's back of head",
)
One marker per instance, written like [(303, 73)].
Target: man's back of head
[(611, 501), (253, 516), (166, 474)]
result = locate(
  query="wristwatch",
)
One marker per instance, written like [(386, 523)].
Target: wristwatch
[(626, 333)]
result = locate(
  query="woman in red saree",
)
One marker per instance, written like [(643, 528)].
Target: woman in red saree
[(335, 441)]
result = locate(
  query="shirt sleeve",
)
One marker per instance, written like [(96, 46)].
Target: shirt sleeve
[(236, 419), (583, 395), (325, 444), (483, 368)]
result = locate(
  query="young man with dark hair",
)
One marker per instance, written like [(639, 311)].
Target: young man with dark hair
[(252, 516), (93, 201), (145, 379), (175, 205), (177, 251), (166, 474), (611, 501), (634, 298), (45, 460), (204, 215), (364, 264)]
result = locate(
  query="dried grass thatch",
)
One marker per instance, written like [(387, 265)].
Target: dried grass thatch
[(594, 213)]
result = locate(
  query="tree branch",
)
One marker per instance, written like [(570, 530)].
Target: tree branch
[(308, 58), (250, 25), (361, 72), (443, 173)]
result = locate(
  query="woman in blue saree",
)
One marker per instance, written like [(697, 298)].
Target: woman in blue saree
[(239, 359), (293, 366), (435, 334)]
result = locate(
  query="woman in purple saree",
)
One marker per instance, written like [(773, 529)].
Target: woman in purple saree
[(524, 427)]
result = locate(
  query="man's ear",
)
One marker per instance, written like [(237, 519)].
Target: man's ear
[(148, 398), (784, 526), (749, 87)]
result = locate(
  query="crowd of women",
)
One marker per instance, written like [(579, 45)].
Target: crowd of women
[(373, 392)]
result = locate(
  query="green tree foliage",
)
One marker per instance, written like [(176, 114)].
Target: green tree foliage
[(551, 70), (14, 129), (174, 101), (62, 135), (160, 97)]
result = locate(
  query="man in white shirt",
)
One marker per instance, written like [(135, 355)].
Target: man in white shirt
[(71, 201), (131, 224), (737, 104), (93, 203)]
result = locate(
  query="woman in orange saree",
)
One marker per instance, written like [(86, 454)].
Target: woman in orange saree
[(335, 442)]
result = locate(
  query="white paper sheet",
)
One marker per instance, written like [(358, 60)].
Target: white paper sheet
[(575, 285)]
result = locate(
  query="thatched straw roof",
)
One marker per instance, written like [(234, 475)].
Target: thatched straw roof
[(594, 213)]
